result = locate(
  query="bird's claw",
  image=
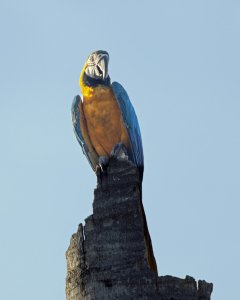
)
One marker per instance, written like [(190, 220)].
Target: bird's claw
[(101, 171), (98, 170), (103, 163)]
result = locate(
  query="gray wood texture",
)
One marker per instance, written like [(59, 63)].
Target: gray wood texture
[(107, 257)]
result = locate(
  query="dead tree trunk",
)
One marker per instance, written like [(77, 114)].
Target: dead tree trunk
[(107, 257)]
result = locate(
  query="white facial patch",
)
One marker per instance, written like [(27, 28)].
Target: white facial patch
[(97, 65)]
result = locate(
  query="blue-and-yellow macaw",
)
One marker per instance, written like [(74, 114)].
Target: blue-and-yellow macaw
[(104, 119)]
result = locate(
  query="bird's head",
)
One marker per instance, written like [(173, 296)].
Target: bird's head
[(96, 66)]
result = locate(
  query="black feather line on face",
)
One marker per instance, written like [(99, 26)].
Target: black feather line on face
[(89, 81), (100, 52)]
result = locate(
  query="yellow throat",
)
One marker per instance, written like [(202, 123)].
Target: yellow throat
[(87, 91)]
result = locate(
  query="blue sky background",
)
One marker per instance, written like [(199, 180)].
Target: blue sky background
[(179, 62)]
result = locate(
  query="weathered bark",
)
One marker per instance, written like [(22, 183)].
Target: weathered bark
[(107, 257)]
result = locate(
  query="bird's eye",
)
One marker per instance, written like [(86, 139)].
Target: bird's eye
[(90, 60)]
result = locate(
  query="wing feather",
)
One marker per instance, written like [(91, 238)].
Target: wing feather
[(131, 122), (80, 130)]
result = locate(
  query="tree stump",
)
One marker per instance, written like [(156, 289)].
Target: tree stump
[(107, 256)]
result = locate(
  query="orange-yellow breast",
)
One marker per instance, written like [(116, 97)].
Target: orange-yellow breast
[(104, 120)]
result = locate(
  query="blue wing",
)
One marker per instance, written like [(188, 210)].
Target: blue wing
[(78, 120), (131, 123)]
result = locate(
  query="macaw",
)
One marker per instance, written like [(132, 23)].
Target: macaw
[(104, 120)]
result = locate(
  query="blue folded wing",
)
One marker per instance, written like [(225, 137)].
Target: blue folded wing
[(131, 123), (76, 119)]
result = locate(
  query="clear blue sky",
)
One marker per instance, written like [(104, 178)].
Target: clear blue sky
[(179, 62)]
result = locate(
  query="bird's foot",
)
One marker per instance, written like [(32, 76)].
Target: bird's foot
[(103, 163), (98, 172), (119, 151), (101, 171)]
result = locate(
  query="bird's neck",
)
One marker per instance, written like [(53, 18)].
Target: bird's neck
[(88, 84)]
